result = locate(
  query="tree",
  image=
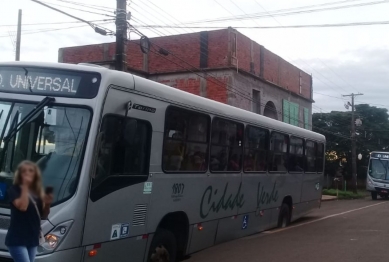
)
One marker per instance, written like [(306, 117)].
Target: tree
[(372, 135)]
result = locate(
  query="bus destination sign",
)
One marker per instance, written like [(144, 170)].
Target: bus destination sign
[(50, 82), (380, 155)]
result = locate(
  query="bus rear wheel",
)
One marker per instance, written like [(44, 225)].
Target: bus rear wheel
[(374, 195), (163, 248), (284, 217)]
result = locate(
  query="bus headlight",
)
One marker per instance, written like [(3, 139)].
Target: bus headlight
[(54, 237), (52, 240)]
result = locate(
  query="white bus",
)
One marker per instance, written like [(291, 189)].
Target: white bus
[(377, 176), (145, 172)]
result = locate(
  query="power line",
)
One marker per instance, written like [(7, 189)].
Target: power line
[(278, 22), (237, 92), (96, 7), (282, 12), (343, 100), (58, 23), (49, 30), (370, 23), (330, 85), (159, 33), (78, 9)]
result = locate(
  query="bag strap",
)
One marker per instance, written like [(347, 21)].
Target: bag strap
[(36, 207)]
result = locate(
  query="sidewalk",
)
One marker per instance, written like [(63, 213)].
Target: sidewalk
[(327, 198)]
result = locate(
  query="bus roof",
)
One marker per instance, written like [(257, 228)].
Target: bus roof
[(178, 97)]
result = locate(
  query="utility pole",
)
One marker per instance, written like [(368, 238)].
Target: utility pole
[(18, 36), (353, 143), (121, 31), (121, 35)]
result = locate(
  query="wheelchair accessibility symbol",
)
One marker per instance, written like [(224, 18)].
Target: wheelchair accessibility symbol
[(245, 221)]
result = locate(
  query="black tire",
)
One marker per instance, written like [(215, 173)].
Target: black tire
[(374, 195), (163, 248), (284, 216)]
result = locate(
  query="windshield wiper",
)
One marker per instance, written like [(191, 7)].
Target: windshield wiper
[(28, 117), (15, 126)]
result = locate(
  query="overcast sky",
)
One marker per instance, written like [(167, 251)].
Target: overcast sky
[(341, 59)]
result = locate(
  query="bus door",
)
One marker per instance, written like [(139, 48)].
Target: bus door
[(120, 191)]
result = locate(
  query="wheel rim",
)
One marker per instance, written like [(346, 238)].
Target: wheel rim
[(160, 254)]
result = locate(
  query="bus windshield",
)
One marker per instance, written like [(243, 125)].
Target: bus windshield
[(54, 138), (378, 169)]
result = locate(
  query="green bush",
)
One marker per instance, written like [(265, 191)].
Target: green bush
[(343, 194)]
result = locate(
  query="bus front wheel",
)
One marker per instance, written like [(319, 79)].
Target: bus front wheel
[(374, 195), (163, 248), (284, 217)]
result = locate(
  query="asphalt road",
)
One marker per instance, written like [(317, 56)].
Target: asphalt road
[(341, 231)]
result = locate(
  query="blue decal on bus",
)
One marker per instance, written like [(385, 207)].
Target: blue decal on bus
[(245, 221), (3, 188), (124, 230)]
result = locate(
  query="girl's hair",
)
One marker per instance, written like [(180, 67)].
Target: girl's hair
[(36, 183)]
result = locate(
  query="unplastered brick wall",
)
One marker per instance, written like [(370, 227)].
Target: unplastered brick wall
[(286, 75), (190, 85), (249, 56), (219, 49), (184, 53), (213, 87)]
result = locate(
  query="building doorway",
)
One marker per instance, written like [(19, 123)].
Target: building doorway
[(270, 110)]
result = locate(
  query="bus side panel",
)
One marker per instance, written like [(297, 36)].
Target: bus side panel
[(259, 196), (129, 250), (202, 197), (204, 238), (312, 185), (288, 185)]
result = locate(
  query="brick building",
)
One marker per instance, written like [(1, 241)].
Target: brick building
[(223, 65)]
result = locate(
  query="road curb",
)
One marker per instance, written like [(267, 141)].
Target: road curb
[(329, 198)]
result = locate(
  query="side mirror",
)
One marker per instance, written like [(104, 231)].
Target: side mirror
[(127, 107)]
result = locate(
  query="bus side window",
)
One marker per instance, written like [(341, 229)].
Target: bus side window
[(278, 154), (320, 157), (227, 146), (124, 155), (185, 141), (310, 157), (255, 152), (296, 155)]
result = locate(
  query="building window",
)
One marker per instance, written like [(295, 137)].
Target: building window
[(278, 154), (256, 147), (291, 113), (185, 141), (256, 102), (306, 118), (227, 145)]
